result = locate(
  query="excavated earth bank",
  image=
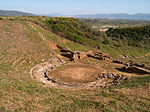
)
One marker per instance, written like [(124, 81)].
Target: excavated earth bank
[(55, 73)]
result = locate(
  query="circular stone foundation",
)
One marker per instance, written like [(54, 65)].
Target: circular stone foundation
[(75, 73)]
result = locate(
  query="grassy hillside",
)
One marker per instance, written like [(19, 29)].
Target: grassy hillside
[(24, 44), (82, 32), (70, 28)]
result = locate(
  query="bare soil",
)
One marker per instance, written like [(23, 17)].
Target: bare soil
[(76, 73)]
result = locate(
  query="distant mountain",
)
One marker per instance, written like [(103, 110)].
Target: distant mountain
[(138, 16), (55, 15), (14, 13)]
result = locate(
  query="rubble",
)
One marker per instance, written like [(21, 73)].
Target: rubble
[(124, 56), (112, 79)]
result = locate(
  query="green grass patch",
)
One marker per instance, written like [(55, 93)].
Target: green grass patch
[(134, 82)]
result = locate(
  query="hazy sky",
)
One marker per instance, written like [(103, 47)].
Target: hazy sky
[(73, 7)]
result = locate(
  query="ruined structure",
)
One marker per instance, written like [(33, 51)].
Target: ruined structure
[(77, 55), (97, 55), (138, 70), (132, 67), (40, 73)]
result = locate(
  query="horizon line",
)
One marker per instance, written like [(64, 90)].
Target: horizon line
[(72, 14)]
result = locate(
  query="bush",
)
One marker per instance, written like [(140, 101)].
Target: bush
[(135, 36), (73, 29), (106, 42)]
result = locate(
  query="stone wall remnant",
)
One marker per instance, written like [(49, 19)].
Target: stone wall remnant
[(77, 55)]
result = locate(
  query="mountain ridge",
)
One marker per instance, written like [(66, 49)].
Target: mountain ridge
[(137, 16)]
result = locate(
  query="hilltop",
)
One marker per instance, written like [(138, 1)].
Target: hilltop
[(39, 44), (14, 13)]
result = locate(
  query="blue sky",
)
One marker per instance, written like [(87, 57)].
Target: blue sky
[(73, 7)]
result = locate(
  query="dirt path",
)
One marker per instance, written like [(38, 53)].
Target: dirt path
[(147, 54), (51, 44)]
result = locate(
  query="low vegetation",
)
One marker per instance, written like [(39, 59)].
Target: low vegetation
[(135, 82), (114, 22), (134, 36)]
